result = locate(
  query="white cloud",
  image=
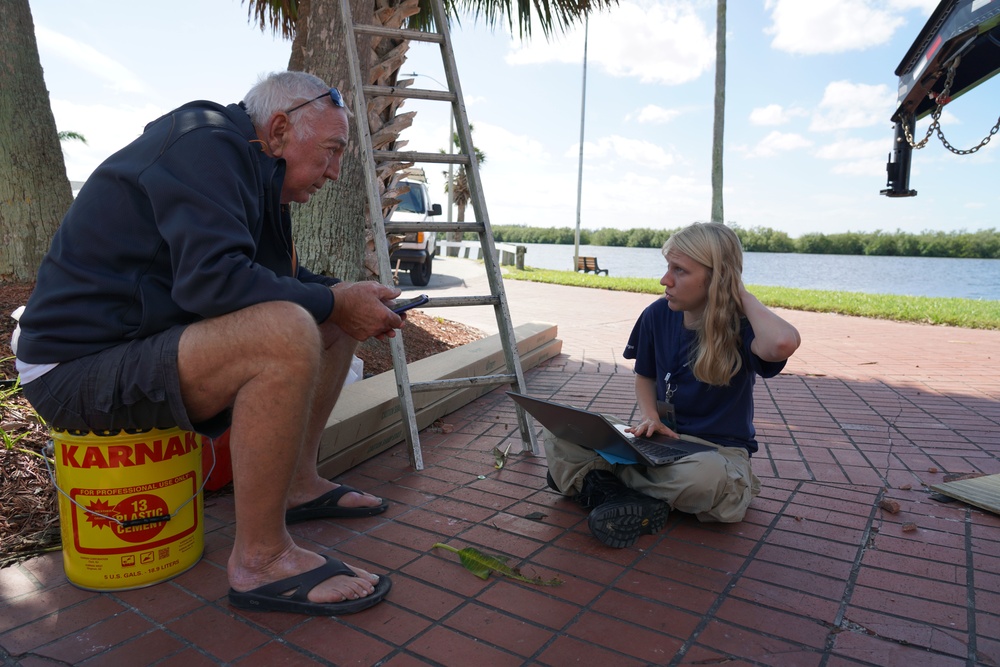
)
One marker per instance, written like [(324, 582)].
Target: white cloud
[(855, 157), (89, 59), (654, 42), (831, 26), (623, 200), (636, 152), (852, 149), (925, 6), (654, 114), (778, 142), (775, 114), (616, 199), (847, 105), (502, 145)]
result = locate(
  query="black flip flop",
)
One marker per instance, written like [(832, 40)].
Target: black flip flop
[(291, 594), (326, 507)]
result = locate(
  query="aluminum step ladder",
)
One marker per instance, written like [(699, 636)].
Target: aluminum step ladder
[(497, 297)]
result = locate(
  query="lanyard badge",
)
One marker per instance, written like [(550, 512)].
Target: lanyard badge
[(665, 408)]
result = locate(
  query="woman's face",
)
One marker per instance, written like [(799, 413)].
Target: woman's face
[(686, 284)]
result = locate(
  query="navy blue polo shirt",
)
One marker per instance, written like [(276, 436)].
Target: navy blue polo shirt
[(661, 347)]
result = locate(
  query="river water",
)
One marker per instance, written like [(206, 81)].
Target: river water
[(913, 276)]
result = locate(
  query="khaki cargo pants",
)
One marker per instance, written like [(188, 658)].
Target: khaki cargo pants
[(714, 486)]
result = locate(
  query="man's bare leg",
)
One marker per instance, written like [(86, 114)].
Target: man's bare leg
[(264, 362), (334, 365)]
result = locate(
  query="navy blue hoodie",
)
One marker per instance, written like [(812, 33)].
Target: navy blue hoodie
[(185, 223)]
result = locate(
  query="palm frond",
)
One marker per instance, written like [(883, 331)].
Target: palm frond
[(551, 16), (66, 135), (279, 15)]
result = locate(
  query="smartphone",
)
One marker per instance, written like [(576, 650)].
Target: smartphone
[(406, 304)]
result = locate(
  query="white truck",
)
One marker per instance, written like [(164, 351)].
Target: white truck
[(416, 252)]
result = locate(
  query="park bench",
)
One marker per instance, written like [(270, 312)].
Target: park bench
[(588, 264)]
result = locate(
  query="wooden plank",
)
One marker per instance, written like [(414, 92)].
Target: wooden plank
[(982, 492)]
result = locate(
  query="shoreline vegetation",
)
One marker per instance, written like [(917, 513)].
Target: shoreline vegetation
[(964, 313), (982, 244)]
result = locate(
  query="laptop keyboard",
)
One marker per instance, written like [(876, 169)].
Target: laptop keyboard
[(658, 453)]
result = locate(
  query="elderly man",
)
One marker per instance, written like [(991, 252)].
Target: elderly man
[(172, 296)]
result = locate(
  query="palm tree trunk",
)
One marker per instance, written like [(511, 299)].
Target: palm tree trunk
[(34, 189), (720, 111), (333, 231)]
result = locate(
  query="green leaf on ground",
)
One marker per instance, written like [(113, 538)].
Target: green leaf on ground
[(482, 565)]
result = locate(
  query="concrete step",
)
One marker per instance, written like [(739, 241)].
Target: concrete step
[(366, 420)]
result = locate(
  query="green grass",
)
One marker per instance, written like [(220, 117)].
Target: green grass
[(966, 313)]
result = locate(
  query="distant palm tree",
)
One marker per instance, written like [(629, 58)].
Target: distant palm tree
[(333, 231), (460, 193)]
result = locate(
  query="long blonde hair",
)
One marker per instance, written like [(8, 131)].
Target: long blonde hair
[(716, 357)]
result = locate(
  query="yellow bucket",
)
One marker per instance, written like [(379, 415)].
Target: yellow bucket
[(130, 506)]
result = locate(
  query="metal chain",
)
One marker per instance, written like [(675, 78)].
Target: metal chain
[(942, 99), (935, 126), (968, 151)]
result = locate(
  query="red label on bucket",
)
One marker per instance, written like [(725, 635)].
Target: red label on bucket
[(99, 516), (133, 518)]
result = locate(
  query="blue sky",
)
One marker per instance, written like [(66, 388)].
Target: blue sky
[(810, 90)]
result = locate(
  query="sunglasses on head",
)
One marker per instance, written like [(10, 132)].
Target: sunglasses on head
[(335, 97)]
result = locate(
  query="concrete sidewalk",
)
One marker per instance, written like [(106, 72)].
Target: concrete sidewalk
[(817, 574)]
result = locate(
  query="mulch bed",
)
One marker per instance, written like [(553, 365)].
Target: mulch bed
[(29, 523)]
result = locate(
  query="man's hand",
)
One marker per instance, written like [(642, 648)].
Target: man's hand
[(359, 310)]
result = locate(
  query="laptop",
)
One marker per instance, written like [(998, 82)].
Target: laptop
[(594, 431)]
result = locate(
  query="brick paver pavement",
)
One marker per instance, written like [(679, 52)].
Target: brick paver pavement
[(817, 574)]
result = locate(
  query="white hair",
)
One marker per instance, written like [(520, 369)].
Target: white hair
[(280, 91)]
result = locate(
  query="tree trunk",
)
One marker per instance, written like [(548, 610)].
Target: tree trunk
[(297, 61), (333, 231), (720, 110), (34, 189)]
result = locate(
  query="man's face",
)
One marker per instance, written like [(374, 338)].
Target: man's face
[(311, 162)]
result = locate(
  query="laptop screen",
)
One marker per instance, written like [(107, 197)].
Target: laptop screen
[(587, 429)]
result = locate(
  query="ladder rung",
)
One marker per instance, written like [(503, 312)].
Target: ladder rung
[(414, 156), (410, 93), (462, 383), (399, 33), (403, 227), (449, 301)]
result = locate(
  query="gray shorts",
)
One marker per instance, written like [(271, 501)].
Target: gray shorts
[(134, 385)]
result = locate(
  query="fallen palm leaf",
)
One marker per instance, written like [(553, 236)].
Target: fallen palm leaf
[(481, 565)]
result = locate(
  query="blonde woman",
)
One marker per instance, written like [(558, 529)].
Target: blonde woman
[(697, 353)]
